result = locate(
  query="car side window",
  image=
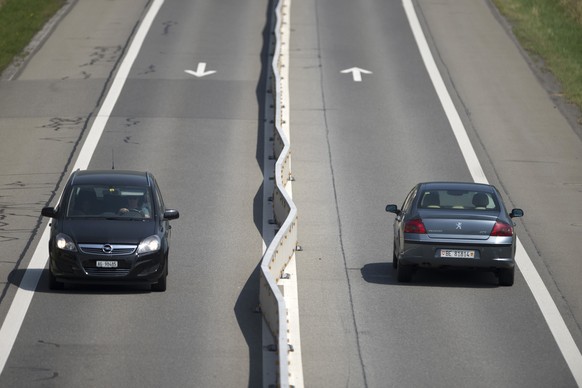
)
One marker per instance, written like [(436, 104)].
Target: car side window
[(408, 200)]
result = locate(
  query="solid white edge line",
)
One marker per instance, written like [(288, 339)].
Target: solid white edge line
[(290, 286), (446, 101), (23, 297), (549, 310), (115, 90)]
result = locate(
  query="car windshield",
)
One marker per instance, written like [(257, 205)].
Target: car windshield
[(100, 201), (458, 199)]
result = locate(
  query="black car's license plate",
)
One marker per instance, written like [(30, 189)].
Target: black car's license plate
[(106, 264)]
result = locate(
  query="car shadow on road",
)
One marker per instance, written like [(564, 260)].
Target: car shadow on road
[(384, 273), (24, 278)]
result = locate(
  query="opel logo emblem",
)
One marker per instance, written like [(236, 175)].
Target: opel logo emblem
[(107, 248)]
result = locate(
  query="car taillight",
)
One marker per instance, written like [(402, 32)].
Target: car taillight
[(502, 229), (415, 226)]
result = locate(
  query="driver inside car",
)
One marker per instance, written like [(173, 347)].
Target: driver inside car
[(135, 204)]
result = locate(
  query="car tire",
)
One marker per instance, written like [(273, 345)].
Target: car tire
[(161, 285), (394, 259), (506, 276), (404, 273), (53, 283)]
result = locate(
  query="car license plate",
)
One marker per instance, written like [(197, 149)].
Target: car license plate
[(106, 264), (458, 253)]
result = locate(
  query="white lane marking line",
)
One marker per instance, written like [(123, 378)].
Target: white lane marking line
[(551, 313), (541, 294), (103, 116), (290, 287), (22, 299), (446, 101)]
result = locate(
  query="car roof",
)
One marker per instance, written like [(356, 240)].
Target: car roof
[(457, 186), (111, 177)]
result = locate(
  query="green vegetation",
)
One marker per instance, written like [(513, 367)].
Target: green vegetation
[(551, 30), (20, 20)]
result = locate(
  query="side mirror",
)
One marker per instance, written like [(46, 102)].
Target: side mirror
[(392, 209), (171, 214), (516, 213), (49, 212)]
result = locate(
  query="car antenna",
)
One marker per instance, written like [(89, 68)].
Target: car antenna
[(112, 159)]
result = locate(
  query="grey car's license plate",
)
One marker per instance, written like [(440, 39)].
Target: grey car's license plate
[(458, 253)]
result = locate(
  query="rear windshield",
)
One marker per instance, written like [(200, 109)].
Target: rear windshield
[(109, 201), (458, 199)]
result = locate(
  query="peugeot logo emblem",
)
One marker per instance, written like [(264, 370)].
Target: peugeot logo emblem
[(107, 248), (459, 225)]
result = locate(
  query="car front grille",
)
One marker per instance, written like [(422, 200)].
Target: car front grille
[(107, 249), (107, 271)]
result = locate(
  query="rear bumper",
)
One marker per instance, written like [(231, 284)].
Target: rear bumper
[(427, 254)]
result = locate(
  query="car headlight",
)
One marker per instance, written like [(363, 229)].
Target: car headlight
[(65, 243), (149, 245)]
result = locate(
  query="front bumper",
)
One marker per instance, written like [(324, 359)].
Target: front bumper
[(81, 268)]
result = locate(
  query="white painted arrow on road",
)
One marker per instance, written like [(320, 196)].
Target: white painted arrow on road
[(356, 73), (200, 70)]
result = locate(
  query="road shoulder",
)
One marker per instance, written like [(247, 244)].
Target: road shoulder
[(527, 144)]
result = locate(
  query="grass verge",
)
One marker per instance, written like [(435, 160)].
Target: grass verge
[(551, 30), (20, 20)]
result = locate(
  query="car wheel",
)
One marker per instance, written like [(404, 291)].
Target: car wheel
[(160, 286), (506, 276), (394, 259), (53, 283), (404, 273)]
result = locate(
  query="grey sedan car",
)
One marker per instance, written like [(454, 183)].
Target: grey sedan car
[(454, 224)]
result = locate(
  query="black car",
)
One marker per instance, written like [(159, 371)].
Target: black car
[(454, 224), (110, 227)]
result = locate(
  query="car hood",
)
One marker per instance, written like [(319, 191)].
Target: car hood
[(86, 231)]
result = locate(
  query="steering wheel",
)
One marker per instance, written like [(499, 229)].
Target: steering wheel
[(132, 213)]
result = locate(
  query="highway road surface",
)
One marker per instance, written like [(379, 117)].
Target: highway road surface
[(202, 138), (367, 123)]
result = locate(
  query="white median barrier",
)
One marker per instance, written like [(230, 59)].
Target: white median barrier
[(284, 244)]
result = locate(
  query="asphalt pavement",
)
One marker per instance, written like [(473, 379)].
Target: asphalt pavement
[(202, 138), (362, 143), (366, 125)]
